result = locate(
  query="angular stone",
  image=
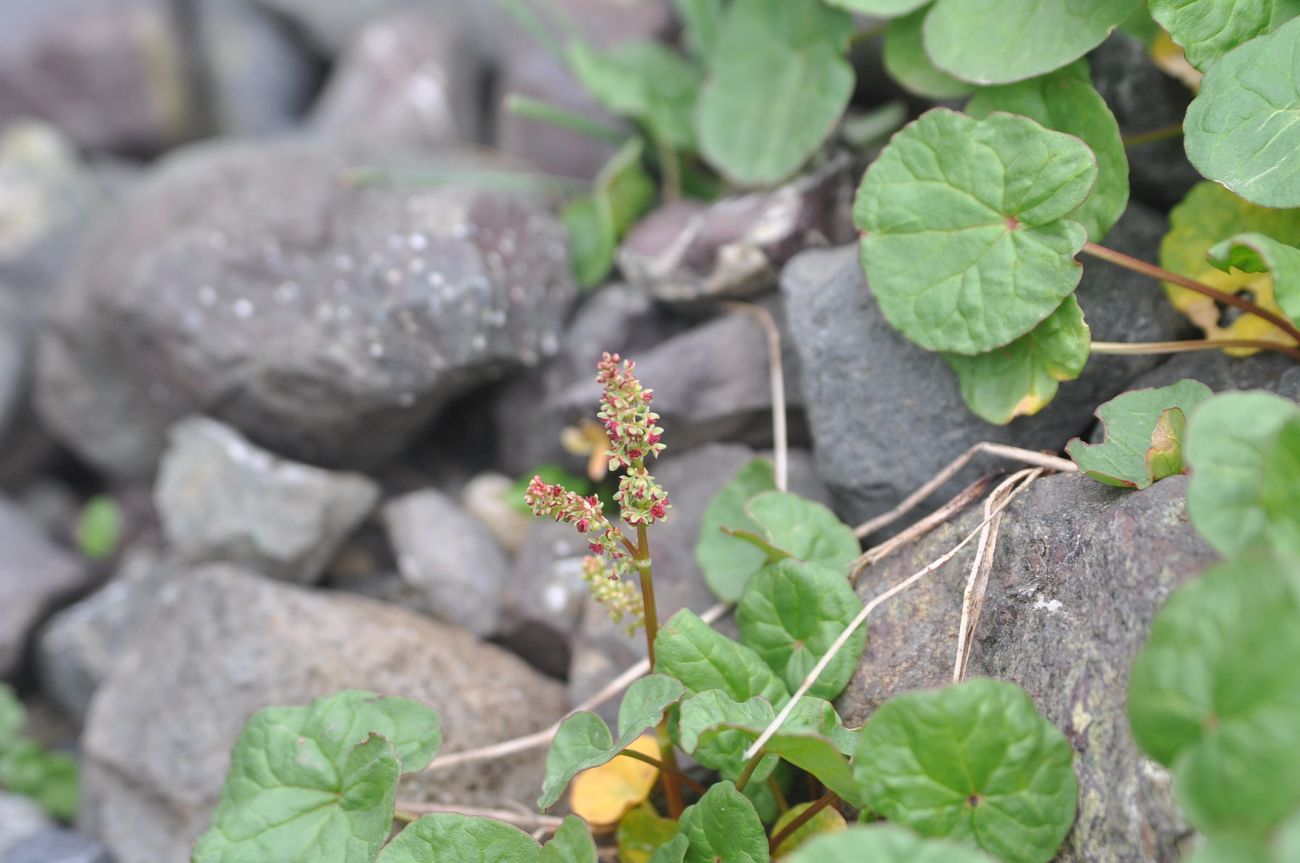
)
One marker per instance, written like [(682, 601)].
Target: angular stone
[(225, 643), (690, 252), (1218, 371), (493, 500), (547, 594), (1080, 571), (117, 80), (886, 415), (58, 846), (222, 498), (34, 576), (20, 819), (602, 649), (325, 318), (450, 558)]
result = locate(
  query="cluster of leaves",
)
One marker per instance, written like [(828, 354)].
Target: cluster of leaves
[(48, 777), (1215, 694)]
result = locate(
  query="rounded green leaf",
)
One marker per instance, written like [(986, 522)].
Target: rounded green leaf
[(967, 241), (1257, 253), (778, 84), (645, 81), (883, 8), (641, 831), (701, 20), (724, 750), (909, 65), (974, 762), (1230, 448), (884, 843), (1022, 378), (723, 827), (1000, 41), (1066, 101), (791, 613), (49, 777), (445, 837), (673, 852), (596, 222), (1208, 29), (1144, 435), (702, 658), (804, 529), (1243, 129), (727, 562), (572, 843), (1215, 694)]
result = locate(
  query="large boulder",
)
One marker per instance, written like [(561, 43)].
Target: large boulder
[(886, 415), (223, 643), (1080, 571), (327, 319), (221, 498)]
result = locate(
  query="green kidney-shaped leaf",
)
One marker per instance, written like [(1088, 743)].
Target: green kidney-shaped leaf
[(723, 827), (808, 751), (791, 613), (727, 562), (673, 852), (883, 8), (645, 81), (1284, 847), (1000, 41), (317, 783), (967, 242), (1208, 29), (1230, 447), (1215, 694), (641, 832), (445, 837), (804, 529), (1243, 128), (909, 65), (1022, 378), (778, 84), (1067, 102), (1257, 253), (1144, 435), (583, 740), (974, 762), (724, 750), (884, 843), (701, 20), (572, 843), (702, 658)]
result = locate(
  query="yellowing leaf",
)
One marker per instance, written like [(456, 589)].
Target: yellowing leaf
[(602, 795), (1171, 60), (828, 820), (642, 831)]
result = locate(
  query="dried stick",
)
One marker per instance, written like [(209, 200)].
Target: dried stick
[(860, 619), (1015, 453), (776, 375), (977, 585)]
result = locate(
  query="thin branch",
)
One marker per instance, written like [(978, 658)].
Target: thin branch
[(776, 375), (860, 619), (972, 605), (1180, 347), (1139, 266), (827, 799), (523, 820), (543, 738), (1014, 453)]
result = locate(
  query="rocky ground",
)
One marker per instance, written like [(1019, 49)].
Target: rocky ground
[(308, 389)]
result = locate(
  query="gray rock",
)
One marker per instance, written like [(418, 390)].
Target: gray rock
[(20, 819), (547, 595), (492, 499), (116, 80), (689, 251), (1079, 573), (406, 83), (58, 846), (326, 319), (602, 650), (886, 415), (1220, 372), (79, 646), (260, 77), (225, 643), (222, 498), (711, 383), (531, 411), (34, 576), (1144, 99), (450, 558)]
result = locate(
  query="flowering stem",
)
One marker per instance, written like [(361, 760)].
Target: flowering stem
[(672, 791)]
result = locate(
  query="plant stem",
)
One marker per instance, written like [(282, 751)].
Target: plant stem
[(672, 792), (545, 112), (670, 171), (1192, 345), (778, 794), (1139, 266), (1164, 133), (803, 818), (749, 770), (663, 768), (868, 33)]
